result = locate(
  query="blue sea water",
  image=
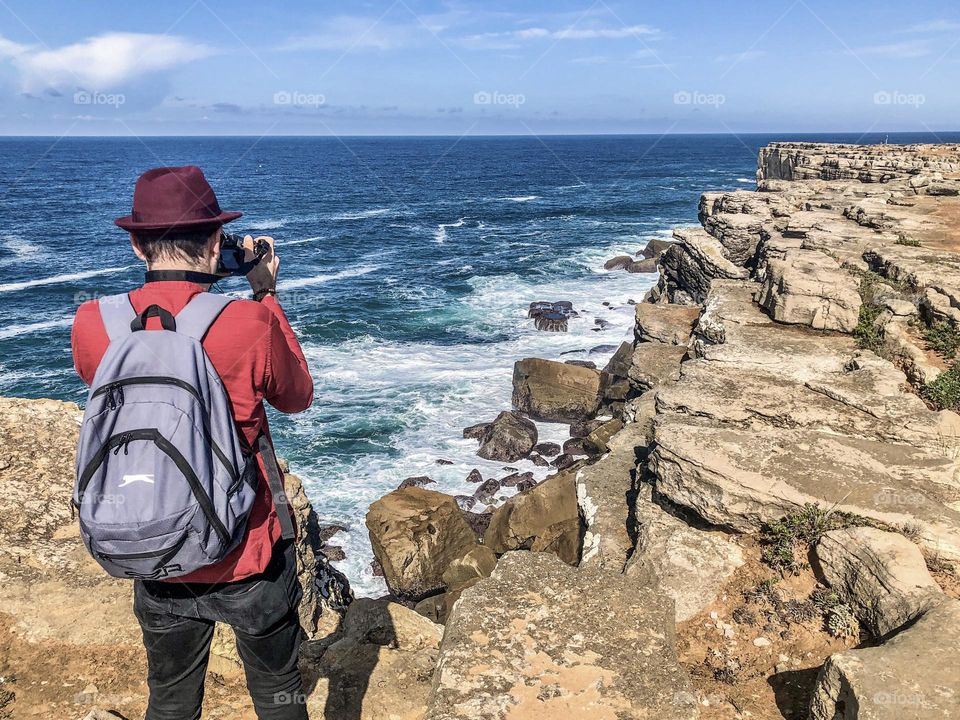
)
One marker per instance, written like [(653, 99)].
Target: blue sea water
[(407, 268)]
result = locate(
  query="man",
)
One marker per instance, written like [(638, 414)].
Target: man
[(175, 229)]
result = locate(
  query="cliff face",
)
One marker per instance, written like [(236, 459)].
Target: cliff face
[(866, 163)]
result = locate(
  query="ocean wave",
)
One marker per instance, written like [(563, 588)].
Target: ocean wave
[(362, 215), (20, 248), (301, 241), (521, 198), (29, 328), (440, 234), (298, 283), (267, 224), (68, 277), (746, 180)]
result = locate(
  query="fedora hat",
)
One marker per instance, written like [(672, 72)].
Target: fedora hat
[(174, 197)]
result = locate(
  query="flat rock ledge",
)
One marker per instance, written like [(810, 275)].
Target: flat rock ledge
[(538, 639)]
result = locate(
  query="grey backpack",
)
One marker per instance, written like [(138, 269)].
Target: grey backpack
[(164, 486)]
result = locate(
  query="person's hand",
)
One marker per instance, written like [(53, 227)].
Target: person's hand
[(263, 276)]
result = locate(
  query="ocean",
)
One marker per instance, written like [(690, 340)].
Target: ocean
[(407, 268)]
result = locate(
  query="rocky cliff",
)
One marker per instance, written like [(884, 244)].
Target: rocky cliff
[(756, 515)]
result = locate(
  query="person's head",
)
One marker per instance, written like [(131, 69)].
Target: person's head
[(175, 220), (195, 248)]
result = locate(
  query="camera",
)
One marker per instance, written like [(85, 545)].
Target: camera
[(233, 254)]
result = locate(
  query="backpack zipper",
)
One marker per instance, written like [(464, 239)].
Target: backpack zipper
[(162, 552), (166, 447), (114, 393)]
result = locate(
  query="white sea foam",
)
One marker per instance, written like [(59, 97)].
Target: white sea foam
[(28, 328), (433, 390), (298, 283), (21, 249), (521, 198), (68, 277), (746, 180), (362, 215), (440, 234), (267, 224), (287, 243)]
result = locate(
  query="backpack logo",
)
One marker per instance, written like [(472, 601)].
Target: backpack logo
[(131, 479)]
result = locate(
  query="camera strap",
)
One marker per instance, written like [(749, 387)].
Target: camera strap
[(193, 276)]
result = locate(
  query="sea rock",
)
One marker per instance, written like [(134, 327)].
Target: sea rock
[(416, 481), (655, 364), (379, 665), (912, 675), (509, 438), (478, 563), (475, 432), (617, 263), (536, 640), (554, 391), (647, 265), (619, 364), (551, 322), (585, 427), (655, 248), (881, 574), (486, 491), (547, 449), (596, 442), (810, 288), (543, 519), (416, 534), (670, 324), (474, 476)]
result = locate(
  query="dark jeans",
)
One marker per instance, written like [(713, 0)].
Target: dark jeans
[(177, 621)]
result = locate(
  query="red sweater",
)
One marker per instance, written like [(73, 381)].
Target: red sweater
[(257, 356)]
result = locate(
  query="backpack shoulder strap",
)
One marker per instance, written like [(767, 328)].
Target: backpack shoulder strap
[(117, 313), (275, 482), (200, 313)]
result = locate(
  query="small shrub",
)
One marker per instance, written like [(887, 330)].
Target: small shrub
[(803, 527), (908, 241), (944, 392), (841, 622), (943, 338), (866, 333)]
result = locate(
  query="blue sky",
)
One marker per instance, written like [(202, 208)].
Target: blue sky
[(477, 67)]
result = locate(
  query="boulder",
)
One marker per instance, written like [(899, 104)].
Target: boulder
[(551, 322), (547, 449), (691, 265), (474, 476), (617, 263), (655, 248), (554, 391), (671, 324), (596, 442), (647, 265), (538, 640), (416, 481), (543, 519), (478, 563), (416, 534), (655, 364), (809, 288), (619, 364), (882, 575), (508, 438), (378, 666), (912, 676)]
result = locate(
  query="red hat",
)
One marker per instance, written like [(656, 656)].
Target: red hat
[(174, 197)]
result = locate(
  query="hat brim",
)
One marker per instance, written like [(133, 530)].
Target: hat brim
[(127, 222)]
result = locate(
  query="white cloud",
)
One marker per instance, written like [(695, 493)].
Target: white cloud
[(745, 56), (514, 38), (102, 62), (899, 51), (933, 26), (358, 33)]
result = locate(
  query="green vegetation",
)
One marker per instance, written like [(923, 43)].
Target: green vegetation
[(943, 338), (838, 617), (908, 241), (944, 392), (866, 333)]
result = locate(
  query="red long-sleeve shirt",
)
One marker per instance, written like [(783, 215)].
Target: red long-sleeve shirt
[(257, 356)]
